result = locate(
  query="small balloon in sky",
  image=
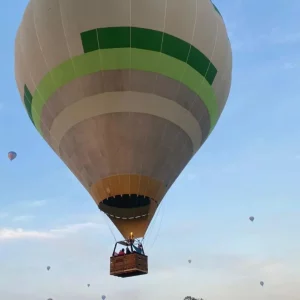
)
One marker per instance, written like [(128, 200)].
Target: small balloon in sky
[(48, 268), (251, 218), (189, 261), (262, 283), (12, 155)]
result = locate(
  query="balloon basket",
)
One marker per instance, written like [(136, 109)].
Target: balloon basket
[(128, 265)]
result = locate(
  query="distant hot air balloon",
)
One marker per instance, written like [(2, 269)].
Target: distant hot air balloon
[(103, 297), (48, 268), (262, 283), (88, 285), (251, 219), (12, 155), (125, 107), (189, 260)]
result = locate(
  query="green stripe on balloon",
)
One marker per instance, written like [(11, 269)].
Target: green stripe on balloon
[(177, 60), (216, 9), (147, 39), (28, 101), (122, 59)]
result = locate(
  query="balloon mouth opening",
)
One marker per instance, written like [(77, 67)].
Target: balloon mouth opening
[(127, 201), (127, 218), (126, 206)]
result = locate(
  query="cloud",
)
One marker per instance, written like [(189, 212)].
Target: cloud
[(74, 228), (188, 176), (20, 233), (191, 176), (289, 66), (277, 37), (210, 276), (3, 215), (22, 218), (173, 281), (245, 38), (37, 203)]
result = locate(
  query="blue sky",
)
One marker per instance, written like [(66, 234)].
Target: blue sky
[(250, 165)]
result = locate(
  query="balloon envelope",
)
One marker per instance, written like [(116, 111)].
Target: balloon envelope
[(251, 219), (262, 283), (12, 155), (124, 104), (103, 297), (189, 260), (48, 268)]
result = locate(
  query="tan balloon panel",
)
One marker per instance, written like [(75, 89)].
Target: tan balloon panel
[(125, 92)]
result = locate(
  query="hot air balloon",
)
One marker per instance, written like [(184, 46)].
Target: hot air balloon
[(189, 261), (88, 285), (103, 297), (251, 219), (262, 283), (48, 268), (125, 92), (12, 155)]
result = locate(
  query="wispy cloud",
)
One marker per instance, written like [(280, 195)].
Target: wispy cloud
[(242, 42), (20, 233), (254, 38), (23, 218), (289, 65), (188, 176), (3, 215), (277, 36), (191, 176), (74, 228), (37, 203)]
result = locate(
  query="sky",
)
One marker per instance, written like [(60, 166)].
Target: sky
[(250, 165)]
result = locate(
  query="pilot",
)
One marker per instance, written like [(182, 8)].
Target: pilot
[(138, 249)]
